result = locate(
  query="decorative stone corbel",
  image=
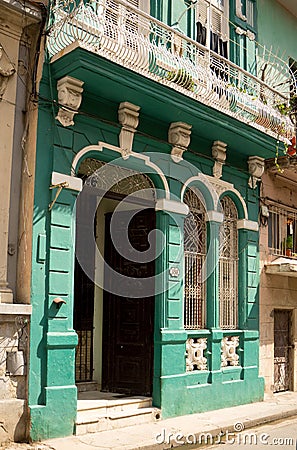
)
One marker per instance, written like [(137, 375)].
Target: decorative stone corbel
[(256, 170), (179, 136), (219, 154), (128, 115), (69, 96), (5, 73)]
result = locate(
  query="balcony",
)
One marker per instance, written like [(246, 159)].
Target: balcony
[(134, 40)]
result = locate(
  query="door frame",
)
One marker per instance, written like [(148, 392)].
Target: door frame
[(289, 372)]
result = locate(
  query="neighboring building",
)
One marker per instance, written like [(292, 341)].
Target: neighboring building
[(20, 27), (278, 251), (183, 100), (278, 326)]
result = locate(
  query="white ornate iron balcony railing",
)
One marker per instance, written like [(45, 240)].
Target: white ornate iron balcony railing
[(131, 38)]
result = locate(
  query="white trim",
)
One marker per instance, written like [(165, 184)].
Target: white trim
[(73, 183), (15, 309), (101, 145), (202, 179), (222, 186), (164, 204), (214, 216), (247, 225)]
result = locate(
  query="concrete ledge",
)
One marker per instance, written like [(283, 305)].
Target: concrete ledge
[(15, 309)]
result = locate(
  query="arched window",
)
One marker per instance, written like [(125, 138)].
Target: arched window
[(195, 252), (228, 266)]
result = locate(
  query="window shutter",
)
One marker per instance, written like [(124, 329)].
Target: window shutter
[(202, 13), (216, 21), (211, 17)]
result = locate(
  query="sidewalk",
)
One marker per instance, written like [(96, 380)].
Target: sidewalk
[(156, 436), (169, 433)]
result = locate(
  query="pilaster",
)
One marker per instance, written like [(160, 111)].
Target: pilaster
[(10, 34), (212, 264)]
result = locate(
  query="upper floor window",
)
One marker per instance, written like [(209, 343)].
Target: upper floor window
[(228, 266), (212, 25), (243, 33), (195, 253), (282, 231)]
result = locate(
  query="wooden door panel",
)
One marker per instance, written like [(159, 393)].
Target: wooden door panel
[(128, 322)]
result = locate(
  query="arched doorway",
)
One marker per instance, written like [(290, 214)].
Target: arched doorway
[(115, 331)]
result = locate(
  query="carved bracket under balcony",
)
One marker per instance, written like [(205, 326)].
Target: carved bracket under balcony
[(128, 115), (69, 97), (179, 136), (229, 357), (256, 170), (195, 359), (219, 154), (6, 70)]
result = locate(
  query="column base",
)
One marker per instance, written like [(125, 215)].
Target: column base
[(6, 296)]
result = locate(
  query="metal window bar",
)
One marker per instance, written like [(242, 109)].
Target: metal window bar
[(194, 254), (84, 356), (282, 231), (228, 267)]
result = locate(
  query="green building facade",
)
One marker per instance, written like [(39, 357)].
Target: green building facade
[(137, 96)]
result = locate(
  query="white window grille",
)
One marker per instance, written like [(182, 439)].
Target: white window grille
[(228, 266), (195, 252), (282, 231)]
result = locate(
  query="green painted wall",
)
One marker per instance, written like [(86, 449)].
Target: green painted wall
[(277, 28), (51, 383)]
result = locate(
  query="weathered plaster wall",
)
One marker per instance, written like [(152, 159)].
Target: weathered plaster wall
[(276, 292), (19, 29)]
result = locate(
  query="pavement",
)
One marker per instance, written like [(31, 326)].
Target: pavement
[(175, 432)]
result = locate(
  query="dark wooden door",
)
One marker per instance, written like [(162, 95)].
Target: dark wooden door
[(282, 350), (128, 322)]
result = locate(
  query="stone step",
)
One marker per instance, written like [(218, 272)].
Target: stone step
[(85, 386), (102, 411), (114, 405), (93, 421)]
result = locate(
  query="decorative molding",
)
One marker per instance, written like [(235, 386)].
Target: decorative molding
[(179, 136), (220, 186), (69, 96), (250, 225), (17, 309), (173, 206), (256, 170), (238, 10), (128, 115), (141, 156), (73, 183), (214, 216), (218, 151), (195, 359), (5, 73), (229, 357)]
